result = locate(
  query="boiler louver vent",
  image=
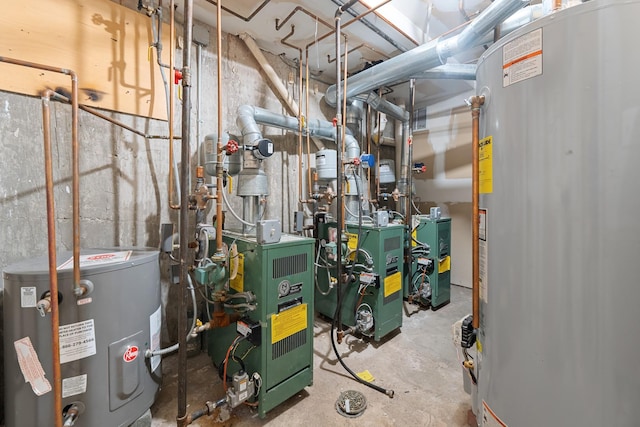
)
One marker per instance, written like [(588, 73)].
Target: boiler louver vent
[(288, 344), (287, 266), (391, 244)]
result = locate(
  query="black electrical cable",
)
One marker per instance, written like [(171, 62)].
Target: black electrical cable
[(339, 307)]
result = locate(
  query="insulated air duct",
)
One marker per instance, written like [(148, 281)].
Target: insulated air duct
[(428, 55)]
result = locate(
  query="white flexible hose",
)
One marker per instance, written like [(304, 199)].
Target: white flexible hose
[(161, 352)]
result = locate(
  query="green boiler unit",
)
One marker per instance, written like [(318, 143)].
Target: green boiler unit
[(271, 347), (372, 302), (431, 274)]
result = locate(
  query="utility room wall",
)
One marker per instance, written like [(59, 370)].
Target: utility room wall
[(445, 148)]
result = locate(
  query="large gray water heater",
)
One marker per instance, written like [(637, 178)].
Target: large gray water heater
[(103, 337), (560, 231)]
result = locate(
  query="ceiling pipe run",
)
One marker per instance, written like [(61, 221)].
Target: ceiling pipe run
[(428, 55)]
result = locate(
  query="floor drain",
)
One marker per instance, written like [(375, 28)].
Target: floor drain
[(351, 404)]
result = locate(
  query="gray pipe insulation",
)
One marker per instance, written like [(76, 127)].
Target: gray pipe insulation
[(428, 55), (249, 117)]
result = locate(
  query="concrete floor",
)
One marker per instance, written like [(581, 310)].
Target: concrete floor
[(418, 362)]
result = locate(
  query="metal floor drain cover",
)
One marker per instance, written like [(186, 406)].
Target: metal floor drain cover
[(351, 404)]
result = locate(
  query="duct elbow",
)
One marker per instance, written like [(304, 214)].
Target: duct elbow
[(351, 147), (247, 123), (330, 96)]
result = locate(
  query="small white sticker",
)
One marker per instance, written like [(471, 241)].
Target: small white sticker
[(28, 297), (155, 323), (243, 385), (83, 301), (74, 385), (243, 396), (522, 58), (31, 367), (77, 341)]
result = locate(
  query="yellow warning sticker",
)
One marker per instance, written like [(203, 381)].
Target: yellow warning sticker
[(366, 375), (352, 243), (485, 167), (392, 284), (288, 322), (444, 264), (414, 235), (479, 345), (237, 284)]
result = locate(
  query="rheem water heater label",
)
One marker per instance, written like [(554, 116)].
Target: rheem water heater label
[(522, 58)]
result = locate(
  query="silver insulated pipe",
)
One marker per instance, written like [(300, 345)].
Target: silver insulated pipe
[(428, 55)]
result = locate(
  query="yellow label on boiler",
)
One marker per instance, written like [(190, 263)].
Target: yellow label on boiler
[(237, 284), (288, 322), (392, 284), (444, 264), (485, 166), (352, 243)]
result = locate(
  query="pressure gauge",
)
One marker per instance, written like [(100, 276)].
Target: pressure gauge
[(283, 288)]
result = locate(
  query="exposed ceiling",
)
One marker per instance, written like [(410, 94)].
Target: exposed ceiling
[(376, 30)]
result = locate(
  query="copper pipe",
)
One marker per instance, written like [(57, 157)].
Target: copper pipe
[(476, 103), (344, 129), (557, 4), (219, 168), (53, 265), (362, 15), (309, 181), (378, 154), (300, 9), (367, 135), (172, 36), (300, 183), (57, 381), (237, 15)]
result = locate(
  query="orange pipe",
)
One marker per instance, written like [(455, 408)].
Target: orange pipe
[(476, 103), (53, 278), (53, 265)]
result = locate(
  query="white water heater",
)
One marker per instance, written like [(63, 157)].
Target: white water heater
[(560, 235)]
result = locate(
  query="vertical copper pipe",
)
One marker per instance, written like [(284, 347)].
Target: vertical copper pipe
[(172, 37), (344, 128), (378, 153), (309, 183), (57, 381), (367, 136), (219, 168), (300, 119), (75, 178), (557, 4), (476, 103), (53, 265)]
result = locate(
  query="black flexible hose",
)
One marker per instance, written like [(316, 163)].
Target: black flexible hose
[(353, 374), (339, 308)]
